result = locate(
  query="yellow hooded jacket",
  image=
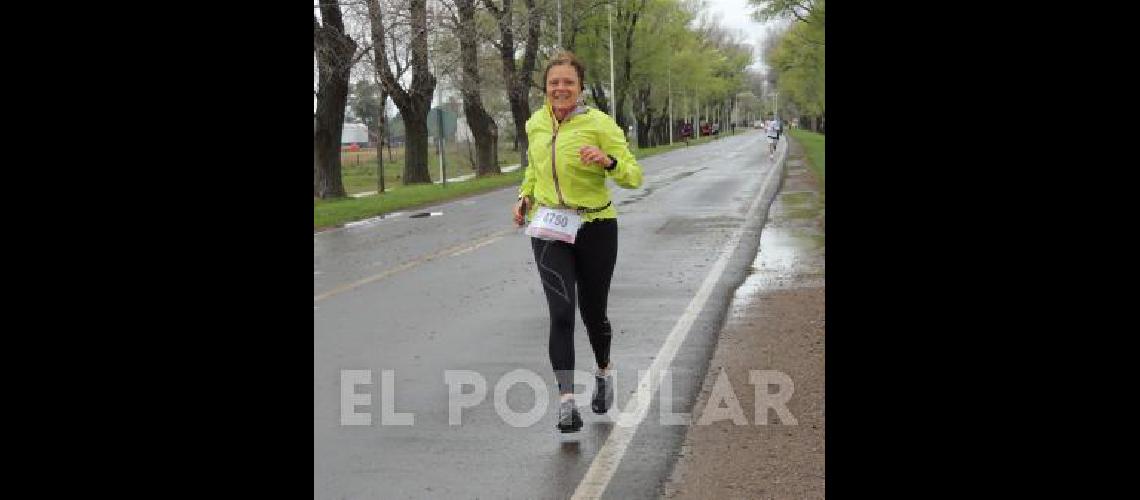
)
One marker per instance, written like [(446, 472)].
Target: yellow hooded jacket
[(555, 175)]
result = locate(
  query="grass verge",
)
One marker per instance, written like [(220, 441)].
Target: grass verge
[(333, 213), (813, 145)]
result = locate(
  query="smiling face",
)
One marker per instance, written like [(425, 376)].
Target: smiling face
[(562, 86)]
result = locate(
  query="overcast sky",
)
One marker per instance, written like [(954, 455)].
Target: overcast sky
[(733, 14), (737, 15)]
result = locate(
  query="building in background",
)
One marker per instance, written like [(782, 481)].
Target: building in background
[(354, 134)]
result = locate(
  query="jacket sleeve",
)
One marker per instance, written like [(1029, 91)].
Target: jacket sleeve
[(627, 173), (527, 187)]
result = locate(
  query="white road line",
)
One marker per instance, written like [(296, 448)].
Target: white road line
[(449, 251), (602, 468)]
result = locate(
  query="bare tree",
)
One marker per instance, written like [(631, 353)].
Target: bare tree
[(397, 30), (483, 128), (401, 58), (518, 79), (335, 51), (356, 16), (414, 102)]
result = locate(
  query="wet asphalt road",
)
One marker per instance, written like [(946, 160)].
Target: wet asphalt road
[(458, 290)]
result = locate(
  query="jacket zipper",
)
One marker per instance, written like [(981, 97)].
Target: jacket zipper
[(553, 162)]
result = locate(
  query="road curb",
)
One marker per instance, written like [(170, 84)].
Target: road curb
[(744, 254)]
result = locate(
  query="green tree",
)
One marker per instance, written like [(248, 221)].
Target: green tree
[(800, 10), (365, 104), (796, 58)]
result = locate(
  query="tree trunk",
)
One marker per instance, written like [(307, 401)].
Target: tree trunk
[(416, 150), (627, 21), (507, 55), (483, 127), (620, 94), (335, 52), (520, 111), (414, 102), (643, 116), (619, 105), (642, 132), (523, 83), (326, 141), (661, 128), (600, 98), (724, 118), (517, 79), (486, 135)]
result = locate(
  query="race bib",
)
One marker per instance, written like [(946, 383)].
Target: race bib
[(555, 224)]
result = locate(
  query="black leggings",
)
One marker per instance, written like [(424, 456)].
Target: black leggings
[(587, 266)]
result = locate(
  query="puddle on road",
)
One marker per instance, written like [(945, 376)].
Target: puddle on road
[(791, 251)]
